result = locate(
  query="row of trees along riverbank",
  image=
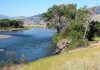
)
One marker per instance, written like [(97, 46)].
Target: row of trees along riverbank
[(74, 25), (6, 23)]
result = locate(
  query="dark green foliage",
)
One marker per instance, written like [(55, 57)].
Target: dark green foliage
[(73, 24), (94, 30), (50, 25), (56, 38), (74, 30), (59, 15), (10, 23), (69, 23)]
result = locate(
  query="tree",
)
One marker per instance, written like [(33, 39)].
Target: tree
[(94, 30), (60, 15), (88, 20), (10, 23), (71, 23)]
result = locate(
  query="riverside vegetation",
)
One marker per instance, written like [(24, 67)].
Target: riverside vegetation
[(74, 25), (78, 29), (11, 25)]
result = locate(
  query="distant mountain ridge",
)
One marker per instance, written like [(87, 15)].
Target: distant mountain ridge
[(36, 19), (4, 17), (98, 10)]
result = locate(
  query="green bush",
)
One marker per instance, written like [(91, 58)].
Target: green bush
[(2, 64), (78, 43), (56, 38), (50, 25), (94, 30)]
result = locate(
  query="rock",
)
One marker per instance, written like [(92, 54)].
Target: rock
[(61, 45)]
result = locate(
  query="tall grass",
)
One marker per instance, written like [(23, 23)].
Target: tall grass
[(97, 38), (79, 59)]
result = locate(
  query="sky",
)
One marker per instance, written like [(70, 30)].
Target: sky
[(33, 7)]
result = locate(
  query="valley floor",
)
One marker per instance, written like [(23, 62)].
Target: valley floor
[(78, 59)]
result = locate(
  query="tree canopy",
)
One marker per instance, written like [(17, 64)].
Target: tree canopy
[(11, 23), (72, 23)]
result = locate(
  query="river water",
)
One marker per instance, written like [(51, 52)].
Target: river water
[(28, 44)]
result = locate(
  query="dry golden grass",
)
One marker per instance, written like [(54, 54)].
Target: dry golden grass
[(79, 59)]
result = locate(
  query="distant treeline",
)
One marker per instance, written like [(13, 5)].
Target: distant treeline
[(11, 23)]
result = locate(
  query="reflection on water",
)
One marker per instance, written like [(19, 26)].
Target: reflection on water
[(30, 44)]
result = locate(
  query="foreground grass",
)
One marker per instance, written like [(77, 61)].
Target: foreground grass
[(79, 59), (97, 38)]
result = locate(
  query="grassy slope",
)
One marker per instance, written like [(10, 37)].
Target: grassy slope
[(79, 59), (97, 38)]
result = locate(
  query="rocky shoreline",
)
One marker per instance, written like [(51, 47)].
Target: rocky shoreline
[(61, 46)]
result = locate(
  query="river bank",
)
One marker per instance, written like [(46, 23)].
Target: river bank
[(4, 36), (11, 29), (14, 29), (78, 59)]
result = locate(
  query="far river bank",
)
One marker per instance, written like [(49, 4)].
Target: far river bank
[(11, 29), (4, 36)]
